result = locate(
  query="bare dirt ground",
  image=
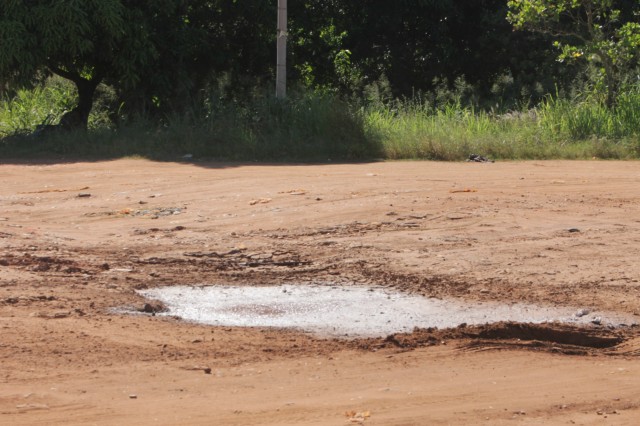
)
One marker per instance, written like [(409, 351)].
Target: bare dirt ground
[(77, 239)]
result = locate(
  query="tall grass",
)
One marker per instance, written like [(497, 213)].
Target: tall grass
[(29, 108), (443, 136), (45, 104), (557, 128), (449, 133), (313, 127), (321, 127), (576, 120)]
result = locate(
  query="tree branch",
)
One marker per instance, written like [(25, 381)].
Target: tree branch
[(65, 74), (75, 77)]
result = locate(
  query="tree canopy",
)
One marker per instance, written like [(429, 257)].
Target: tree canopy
[(603, 32), (138, 46), (83, 41), (159, 55)]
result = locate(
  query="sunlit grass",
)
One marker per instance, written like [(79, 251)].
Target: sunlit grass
[(322, 127), (555, 129)]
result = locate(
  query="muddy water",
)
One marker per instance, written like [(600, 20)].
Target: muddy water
[(333, 311)]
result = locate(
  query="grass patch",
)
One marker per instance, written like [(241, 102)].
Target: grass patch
[(30, 108), (556, 129), (322, 127)]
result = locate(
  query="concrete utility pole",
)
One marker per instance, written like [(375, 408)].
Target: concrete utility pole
[(281, 65)]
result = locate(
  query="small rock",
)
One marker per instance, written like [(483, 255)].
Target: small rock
[(572, 230), (133, 396), (582, 312), (596, 321), (152, 307), (84, 195)]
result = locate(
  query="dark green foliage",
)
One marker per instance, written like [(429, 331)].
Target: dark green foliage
[(155, 53), (160, 55), (304, 127), (604, 33), (84, 41), (418, 45)]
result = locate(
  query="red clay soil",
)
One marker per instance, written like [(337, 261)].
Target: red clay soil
[(78, 239)]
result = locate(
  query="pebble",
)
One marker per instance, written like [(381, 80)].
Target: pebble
[(582, 312)]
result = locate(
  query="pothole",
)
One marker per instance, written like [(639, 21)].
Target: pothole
[(338, 311)]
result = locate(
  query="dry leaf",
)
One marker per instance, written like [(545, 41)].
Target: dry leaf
[(453, 191), (357, 417), (298, 191), (55, 190)]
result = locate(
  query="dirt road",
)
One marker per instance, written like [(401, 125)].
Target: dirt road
[(78, 239)]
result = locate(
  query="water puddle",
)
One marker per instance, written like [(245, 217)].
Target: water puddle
[(334, 311)]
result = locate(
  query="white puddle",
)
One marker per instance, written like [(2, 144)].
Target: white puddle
[(333, 311)]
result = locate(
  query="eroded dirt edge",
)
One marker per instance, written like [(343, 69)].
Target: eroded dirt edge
[(101, 279)]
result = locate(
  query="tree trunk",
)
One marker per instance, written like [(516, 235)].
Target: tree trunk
[(610, 80), (78, 117)]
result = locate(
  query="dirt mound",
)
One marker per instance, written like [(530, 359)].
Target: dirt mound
[(553, 337)]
